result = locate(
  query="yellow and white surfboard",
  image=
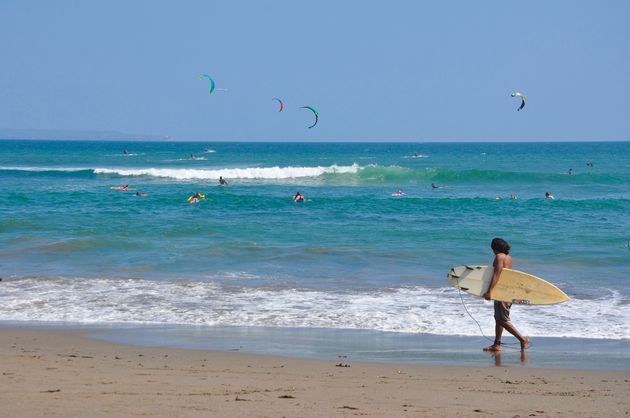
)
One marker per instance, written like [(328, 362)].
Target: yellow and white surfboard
[(513, 286)]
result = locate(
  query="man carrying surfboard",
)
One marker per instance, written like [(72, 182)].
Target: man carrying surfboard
[(502, 259)]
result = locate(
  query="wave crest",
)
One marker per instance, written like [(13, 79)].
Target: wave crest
[(372, 173), (254, 173)]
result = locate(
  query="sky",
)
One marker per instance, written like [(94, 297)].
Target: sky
[(392, 71)]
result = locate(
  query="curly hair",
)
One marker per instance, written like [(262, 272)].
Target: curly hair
[(500, 245)]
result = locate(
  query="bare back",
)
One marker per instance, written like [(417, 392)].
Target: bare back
[(502, 261)]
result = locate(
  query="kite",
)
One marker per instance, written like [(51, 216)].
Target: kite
[(314, 112), (211, 81), (517, 94), (281, 103)]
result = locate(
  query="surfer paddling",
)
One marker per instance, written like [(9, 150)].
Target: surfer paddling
[(502, 259)]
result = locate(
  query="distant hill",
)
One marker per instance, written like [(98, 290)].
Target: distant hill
[(7, 133)]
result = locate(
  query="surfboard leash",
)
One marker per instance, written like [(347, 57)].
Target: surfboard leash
[(459, 290)]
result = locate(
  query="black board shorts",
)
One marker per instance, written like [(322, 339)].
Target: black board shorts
[(502, 311)]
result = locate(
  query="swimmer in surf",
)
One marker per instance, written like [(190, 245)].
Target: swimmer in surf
[(125, 187), (222, 181), (502, 259), (196, 197), (434, 186), (298, 197), (549, 196)]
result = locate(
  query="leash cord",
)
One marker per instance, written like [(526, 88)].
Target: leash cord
[(477, 322)]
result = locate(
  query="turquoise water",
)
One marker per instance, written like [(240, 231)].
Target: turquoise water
[(352, 256)]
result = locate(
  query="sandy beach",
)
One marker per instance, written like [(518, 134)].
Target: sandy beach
[(63, 373)]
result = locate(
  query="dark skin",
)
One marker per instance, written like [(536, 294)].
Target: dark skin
[(502, 261)]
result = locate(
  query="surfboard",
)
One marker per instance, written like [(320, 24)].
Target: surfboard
[(513, 286)]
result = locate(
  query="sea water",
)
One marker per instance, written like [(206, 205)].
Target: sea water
[(352, 256)]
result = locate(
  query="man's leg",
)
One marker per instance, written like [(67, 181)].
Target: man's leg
[(512, 330), (498, 332)]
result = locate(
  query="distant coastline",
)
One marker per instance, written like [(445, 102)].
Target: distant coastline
[(95, 135)]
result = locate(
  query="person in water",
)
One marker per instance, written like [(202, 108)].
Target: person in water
[(196, 197), (222, 181), (298, 197), (502, 259), (434, 186), (125, 187), (549, 195), (399, 193)]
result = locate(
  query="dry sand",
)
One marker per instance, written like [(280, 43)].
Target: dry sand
[(62, 373)]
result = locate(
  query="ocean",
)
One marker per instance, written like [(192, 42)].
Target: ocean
[(351, 257)]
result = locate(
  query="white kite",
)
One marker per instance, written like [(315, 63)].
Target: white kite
[(517, 94)]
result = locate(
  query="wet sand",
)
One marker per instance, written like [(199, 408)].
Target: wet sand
[(62, 373)]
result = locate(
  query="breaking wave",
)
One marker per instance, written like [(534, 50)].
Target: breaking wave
[(413, 309)]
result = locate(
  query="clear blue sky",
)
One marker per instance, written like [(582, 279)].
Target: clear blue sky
[(375, 70)]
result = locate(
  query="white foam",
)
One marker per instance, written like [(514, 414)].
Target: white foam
[(271, 173), (262, 173), (409, 309)]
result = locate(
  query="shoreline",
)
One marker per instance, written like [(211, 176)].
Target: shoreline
[(66, 373), (356, 345)]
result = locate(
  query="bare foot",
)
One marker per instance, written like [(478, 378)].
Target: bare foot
[(493, 348), (525, 344)]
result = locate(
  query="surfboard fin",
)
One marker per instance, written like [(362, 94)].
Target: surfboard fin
[(473, 268), (452, 274)]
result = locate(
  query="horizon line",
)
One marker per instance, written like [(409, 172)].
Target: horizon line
[(320, 141)]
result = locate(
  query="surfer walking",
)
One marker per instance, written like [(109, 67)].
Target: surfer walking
[(502, 259)]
